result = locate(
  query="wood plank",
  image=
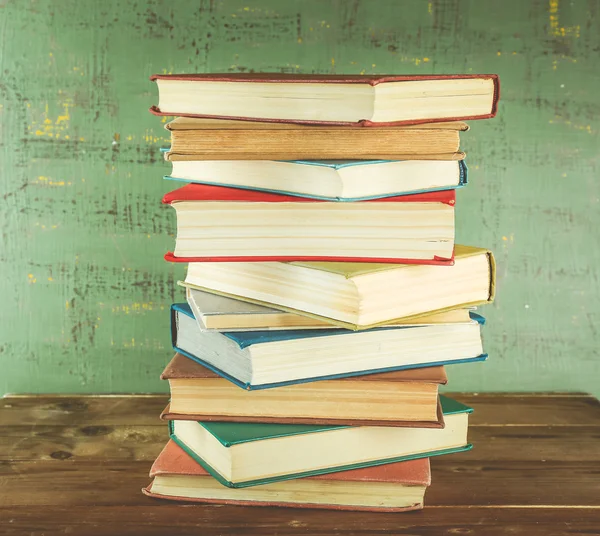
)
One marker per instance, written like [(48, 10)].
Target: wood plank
[(97, 442), (490, 409), (455, 483), (525, 409), (182, 520), (91, 410), (467, 482), (525, 443)]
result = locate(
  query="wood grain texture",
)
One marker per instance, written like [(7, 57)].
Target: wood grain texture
[(66, 468), (85, 290)]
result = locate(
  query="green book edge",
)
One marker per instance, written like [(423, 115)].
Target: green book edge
[(260, 481), (449, 407)]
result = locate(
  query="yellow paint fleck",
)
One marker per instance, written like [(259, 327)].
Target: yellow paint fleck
[(67, 305), (430, 7), (498, 53), (50, 279), (32, 278), (425, 60), (53, 128), (333, 62), (299, 40)]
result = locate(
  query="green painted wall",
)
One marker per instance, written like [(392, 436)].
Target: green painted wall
[(85, 292)]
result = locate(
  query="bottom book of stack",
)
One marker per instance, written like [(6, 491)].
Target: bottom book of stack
[(393, 487), (383, 468)]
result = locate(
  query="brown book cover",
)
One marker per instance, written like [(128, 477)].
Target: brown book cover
[(173, 460), (197, 139), (371, 80), (180, 367)]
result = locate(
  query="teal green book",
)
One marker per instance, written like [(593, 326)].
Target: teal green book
[(249, 454)]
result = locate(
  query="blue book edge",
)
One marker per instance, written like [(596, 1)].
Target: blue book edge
[(245, 339), (185, 309), (462, 182)]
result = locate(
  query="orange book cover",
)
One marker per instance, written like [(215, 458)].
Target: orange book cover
[(173, 460)]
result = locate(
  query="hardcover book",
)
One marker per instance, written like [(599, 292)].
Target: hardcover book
[(248, 454), (203, 139), (402, 398), (354, 295), (325, 99), (331, 180), (214, 312), (395, 487), (266, 359), (226, 224)]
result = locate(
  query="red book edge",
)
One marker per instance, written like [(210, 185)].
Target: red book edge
[(208, 192), (436, 261), (371, 80), (174, 460)]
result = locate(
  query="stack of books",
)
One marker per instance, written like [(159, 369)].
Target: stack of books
[(325, 294)]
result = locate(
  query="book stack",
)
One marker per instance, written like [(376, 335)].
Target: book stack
[(325, 294)]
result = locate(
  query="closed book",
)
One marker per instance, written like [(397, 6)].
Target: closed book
[(214, 312), (401, 398), (394, 487), (354, 295), (267, 359), (331, 180), (203, 139), (369, 100), (218, 224), (250, 454)]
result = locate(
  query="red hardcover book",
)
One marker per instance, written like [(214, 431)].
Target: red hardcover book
[(383, 100), (219, 224), (390, 488)]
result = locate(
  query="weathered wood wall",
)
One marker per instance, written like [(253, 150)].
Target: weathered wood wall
[(85, 292)]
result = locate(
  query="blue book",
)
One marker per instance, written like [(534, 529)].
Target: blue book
[(265, 359), (248, 454), (332, 180)]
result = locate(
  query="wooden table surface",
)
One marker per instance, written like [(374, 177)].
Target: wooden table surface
[(75, 465)]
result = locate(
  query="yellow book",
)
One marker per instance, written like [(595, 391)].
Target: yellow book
[(353, 295)]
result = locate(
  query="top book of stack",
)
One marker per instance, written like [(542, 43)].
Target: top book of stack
[(332, 100)]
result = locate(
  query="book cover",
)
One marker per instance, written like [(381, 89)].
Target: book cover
[(183, 368), (329, 79), (209, 192), (231, 434), (248, 338), (174, 461), (202, 192), (462, 166), (352, 269)]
